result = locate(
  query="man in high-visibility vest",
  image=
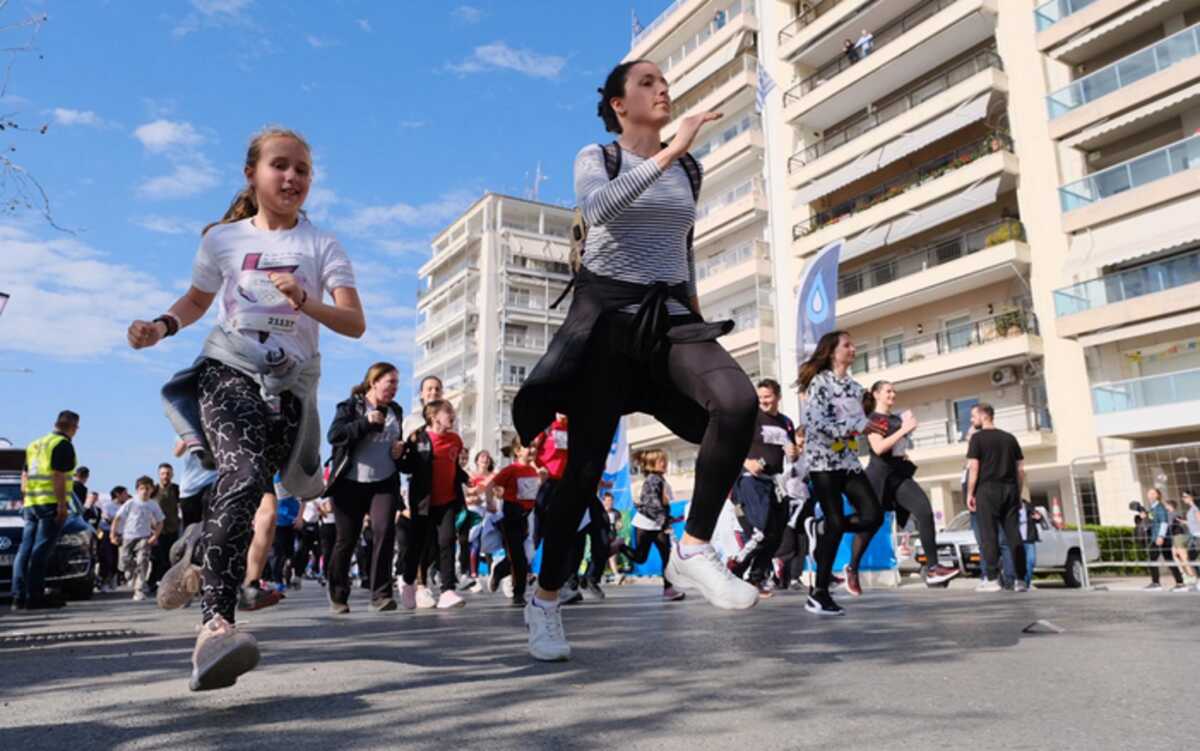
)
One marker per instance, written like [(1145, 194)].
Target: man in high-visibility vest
[(46, 485)]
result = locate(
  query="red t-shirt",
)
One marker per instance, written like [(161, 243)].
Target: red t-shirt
[(520, 483), (552, 449), (446, 449)]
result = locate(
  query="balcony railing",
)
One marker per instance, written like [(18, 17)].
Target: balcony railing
[(883, 37), (950, 339), (1019, 418), (1128, 70), (809, 12), (896, 105), (1048, 14), (943, 251), (731, 196), (689, 101), (456, 310), (1150, 391), (525, 342), (730, 258), (424, 292), (695, 43), (747, 122), (1155, 165), (1126, 285), (658, 21), (914, 178), (460, 345)]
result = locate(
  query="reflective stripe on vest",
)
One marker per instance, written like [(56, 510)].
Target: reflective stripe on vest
[(39, 478)]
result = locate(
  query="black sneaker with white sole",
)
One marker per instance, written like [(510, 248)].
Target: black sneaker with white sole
[(821, 602)]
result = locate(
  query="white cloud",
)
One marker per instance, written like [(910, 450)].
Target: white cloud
[(212, 13), (167, 225), (161, 135), (468, 13), (320, 200), (499, 56), (221, 7), (431, 213), (318, 43), (363, 24), (186, 179), (68, 300), (64, 116)]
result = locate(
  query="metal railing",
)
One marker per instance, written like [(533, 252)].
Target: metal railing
[(1148, 391), (955, 338), (460, 345), (896, 105), (1048, 14), (691, 100), (424, 292), (943, 251), (659, 20), (525, 342), (457, 310), (731, 257), (1155, 165), (883, 37), (1020, 418), (753, 186), (695, 43), (1128, 70), (809, 12), (746, 123), (1126, 285), (929, 170)]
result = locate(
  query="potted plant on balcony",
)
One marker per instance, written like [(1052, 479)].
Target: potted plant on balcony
[(1010, 230), (1009, 324)]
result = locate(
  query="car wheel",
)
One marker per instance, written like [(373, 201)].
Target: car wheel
[(79, 589), (1075, 572)]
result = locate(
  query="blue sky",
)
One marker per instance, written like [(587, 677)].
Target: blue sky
[(412, 109)]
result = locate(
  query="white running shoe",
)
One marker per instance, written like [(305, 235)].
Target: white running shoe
[(1020, 586), (547, 640), (425, 599), (450, 599), (705, 572), (506, 586), (988, 586)]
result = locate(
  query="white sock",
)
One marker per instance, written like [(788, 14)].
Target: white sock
[(543, 604), (687, 551)]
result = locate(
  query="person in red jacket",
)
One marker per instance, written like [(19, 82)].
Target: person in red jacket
[(519, 483)]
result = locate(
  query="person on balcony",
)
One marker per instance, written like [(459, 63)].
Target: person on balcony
[(850, 51)]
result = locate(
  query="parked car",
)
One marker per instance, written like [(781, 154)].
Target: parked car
[(74, 558), (1058, 551)]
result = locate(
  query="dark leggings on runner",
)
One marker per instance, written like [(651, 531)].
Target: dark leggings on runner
[(644, 540), (677, 379), (249, 442), (828, 488), (351, 502), (513, 528), (906, 495), (328, 533), (433, 534)]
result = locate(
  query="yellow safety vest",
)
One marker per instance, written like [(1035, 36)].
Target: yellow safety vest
[(39, 480)]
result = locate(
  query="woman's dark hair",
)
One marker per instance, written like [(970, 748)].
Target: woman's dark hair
[(869, 396), (614, 87), (491, 463), (821, 359)]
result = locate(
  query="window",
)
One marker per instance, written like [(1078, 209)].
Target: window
[(893, 350), (958, 333), (515, 335), (962, 415), (1087, 501), (860, 362), (516, 375)]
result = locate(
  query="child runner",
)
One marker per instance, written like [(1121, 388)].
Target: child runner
[(635, 341), (652, 522), (136, 528), (519, 484), (250, 401)]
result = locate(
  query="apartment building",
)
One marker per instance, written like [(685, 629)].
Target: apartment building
[(483, 307), (1015, 184), (708, 51)]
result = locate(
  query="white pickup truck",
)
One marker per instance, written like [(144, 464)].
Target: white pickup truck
[(1058, 551)]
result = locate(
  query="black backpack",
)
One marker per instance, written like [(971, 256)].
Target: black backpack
[(612, 165)]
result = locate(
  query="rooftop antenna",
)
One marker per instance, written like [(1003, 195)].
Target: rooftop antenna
[(538, 179)]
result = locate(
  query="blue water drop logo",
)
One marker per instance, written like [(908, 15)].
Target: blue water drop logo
[(818, 302)]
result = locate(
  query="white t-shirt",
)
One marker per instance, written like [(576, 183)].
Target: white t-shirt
[(237, 259), (136, 518)]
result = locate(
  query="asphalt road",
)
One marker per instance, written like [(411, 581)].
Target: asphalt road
[(906, 669)]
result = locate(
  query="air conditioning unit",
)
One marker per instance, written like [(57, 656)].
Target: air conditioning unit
[(1030, 371), (1004, 376)]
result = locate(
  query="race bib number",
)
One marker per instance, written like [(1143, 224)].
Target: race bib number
[(260, 306), (773, 435), (527, 488), (560, 440)]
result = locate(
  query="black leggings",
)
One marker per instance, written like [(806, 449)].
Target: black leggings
[(351, 502), (328, 533), (905, 495), (644, 540), (828, 488), (793, 547), (192, 507), (513, 528), (1163, 551), (249, 443), (283, 550), (435, 534), (696, 389)]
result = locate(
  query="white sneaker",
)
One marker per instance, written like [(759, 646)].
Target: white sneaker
[(989, 586), (1020, 586), (450, 599), (425, 599), (138, 595), (705, 572), (506, 586), (547, 640)]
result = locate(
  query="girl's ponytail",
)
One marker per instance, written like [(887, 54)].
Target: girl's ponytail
[(242, 207)]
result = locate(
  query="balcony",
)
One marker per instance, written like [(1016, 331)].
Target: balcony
[(1048, 14), (660, 25), (1161, 289), (525, 343), (917, 42), (731, 210), (721, 87), (1150, 405), (954, 352), (900, 103), (714, 45), (910, 181), (461, 271), (790, 35), (945, 268), (447, 248), (1069, 109), (1147, 180), (941, 441), (448, 316), (460, 347), (722, 150), (733, 267)]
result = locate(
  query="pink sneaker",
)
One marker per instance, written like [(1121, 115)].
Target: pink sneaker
[(222, 654), (408, 596), (670, 594), (450, 599)]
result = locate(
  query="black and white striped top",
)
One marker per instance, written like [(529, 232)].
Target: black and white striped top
[(638, 223)]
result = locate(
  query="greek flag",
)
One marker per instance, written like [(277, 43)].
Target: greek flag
[(765, 84), (636, 28), (816, 305)]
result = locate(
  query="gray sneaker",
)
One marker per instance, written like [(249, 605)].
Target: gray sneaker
[(222, 654), (593, 589)]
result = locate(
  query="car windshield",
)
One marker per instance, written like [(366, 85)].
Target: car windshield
[(960, 522), (10, 498)]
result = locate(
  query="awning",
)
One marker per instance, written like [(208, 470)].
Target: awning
[(1083, 40), (1158, 230), (915, 222), (717, 60), (902, 145), (1131, 122)]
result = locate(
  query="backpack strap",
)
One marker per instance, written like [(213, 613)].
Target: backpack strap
[(695, 178), (612, 159)]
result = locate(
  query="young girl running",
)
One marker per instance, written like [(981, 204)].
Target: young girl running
[(469, 526), (891, 476), (652, 523), (519, 483), (635, 341), (250, 401), (834, 419), (435, 498)]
